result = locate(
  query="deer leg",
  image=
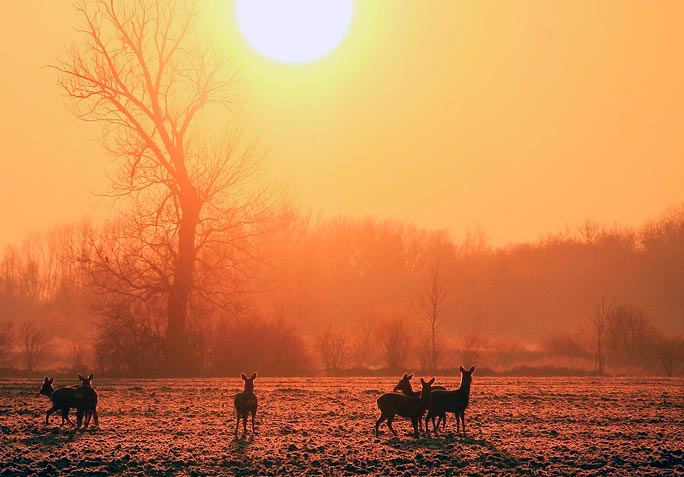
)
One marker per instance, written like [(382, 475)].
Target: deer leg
[(379, 421), (463, 421), (244, 424), (414, 422), (79, 418), (253, 413), (390, 418), (65, 415), (237, 424), (49, 412), (443, 419), (96, 421), (435, 423)]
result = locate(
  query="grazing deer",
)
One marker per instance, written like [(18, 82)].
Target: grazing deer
[(89, 396), (391, 404), (404, 387), (63, 399), (452, 401), (246, 403)]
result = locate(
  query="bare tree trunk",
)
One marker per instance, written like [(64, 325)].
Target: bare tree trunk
[(602, 309), (181, 288)]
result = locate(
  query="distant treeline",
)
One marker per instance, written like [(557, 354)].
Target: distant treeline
[(308, 295)]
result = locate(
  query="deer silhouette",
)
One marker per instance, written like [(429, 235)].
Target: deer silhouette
[(455, 401), (63, 399), (89, 396), (246, 403), (392, 404), (404, 387)]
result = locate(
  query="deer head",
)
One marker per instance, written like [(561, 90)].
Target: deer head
[(249, 382), (47, 389), (426, 388), (466, 376), (86, 382), (404, 384)]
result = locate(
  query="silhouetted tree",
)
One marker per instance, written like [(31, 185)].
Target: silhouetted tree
[(630, 336), (129, 342), (433, 302), (250, 341), (364, 337), (334, 349), (670, 352), (396, 342), (141, 73), (6, 340), (599, 323), (34, 343)]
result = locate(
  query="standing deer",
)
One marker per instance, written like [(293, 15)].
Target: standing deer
[(63, 399), (89, 396), (404, 387), (246, 403), (391, 404), (452, 401)]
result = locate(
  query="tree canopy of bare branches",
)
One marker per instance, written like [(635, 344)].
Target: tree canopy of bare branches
[(141, 71)]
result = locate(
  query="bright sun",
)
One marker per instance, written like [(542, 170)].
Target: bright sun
[(294, 31)]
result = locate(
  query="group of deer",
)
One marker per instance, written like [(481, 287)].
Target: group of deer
[(83, 398), (436, 400)]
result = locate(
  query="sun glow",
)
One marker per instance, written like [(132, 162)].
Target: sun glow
[(294, 31)]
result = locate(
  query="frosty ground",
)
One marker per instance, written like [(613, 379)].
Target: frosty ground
[(324, 426)]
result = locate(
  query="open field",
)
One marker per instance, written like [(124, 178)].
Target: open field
[(323, 426)]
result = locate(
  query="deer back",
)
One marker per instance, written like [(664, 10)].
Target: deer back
[(68, 397), (405, 406), (245, 401), (87, 396), (447, 401)]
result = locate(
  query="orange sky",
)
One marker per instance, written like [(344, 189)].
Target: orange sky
[(520, 117)]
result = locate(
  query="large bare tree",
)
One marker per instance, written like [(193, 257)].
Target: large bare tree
[(141, 71)]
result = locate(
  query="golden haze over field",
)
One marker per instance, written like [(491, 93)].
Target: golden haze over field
[(314, 209), (522, 117)]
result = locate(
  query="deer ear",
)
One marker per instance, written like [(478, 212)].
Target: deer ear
[(410, 376), (253, 376), (242, 375), (404, 376), (81, 377), (46, 380), (471, 370), (422, 381), (431, 381), (463, 369), (90, 377), (51, 380)]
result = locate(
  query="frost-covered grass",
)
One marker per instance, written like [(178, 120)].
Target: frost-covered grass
[(324, 426)]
